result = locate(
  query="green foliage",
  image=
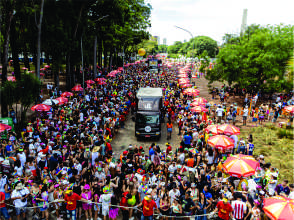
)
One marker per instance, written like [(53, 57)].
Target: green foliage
[(28, 89), (200, 44), (256, 60), (9, 93)]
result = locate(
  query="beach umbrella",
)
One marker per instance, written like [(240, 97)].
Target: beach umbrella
[(186, 85), (41, 108), (11, 78), (200, 100), (212, 129), (191, 92), (77, 88), (101, 83), (62, 100), (90, 81), (279, 207), (289, 109), (240, 165), (4, 127), (66, 94), (194, 151), (221, 142), (197, 103), (199, 109), (50, 102), (228, 129)]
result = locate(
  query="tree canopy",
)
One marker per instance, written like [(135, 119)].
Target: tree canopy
[(200, 44), (257, 59)]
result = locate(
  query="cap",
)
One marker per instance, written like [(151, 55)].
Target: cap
[(147, 197), (140, 147), (275, 175), (225, 199), (261, 156), (125, 152), (87, 186)]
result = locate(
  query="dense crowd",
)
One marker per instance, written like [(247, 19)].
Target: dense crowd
[(63, 160)]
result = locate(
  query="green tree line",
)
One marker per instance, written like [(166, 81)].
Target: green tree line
[(58, 28)]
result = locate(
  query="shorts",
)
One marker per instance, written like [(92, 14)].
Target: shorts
[(105, 211), (234, 119), (244, 118), (79, 204), (71, 214), (20, 210), (147, 217), (43, 208), (169, 130), (4, 212), (167, 212)]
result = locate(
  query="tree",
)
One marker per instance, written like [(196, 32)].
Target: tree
[(258, 61)]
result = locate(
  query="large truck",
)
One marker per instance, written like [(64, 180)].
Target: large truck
[(148, 115)]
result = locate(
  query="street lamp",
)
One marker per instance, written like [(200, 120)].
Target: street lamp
[(183, 29)]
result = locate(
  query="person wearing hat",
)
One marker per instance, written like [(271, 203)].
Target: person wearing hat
[(271, 186), (224, 209), (71, 199), (148, 206), (19, 196)]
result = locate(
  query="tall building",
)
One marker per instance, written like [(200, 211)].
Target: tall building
[(244, 21)]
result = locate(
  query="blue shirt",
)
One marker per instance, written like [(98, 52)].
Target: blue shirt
[(8, 148), (151, 152), (187, 139)]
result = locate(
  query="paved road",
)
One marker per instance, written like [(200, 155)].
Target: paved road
[(126, 136)]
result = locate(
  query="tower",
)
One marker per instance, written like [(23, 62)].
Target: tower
[(244, 22)]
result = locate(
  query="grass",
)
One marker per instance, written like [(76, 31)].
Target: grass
[(276, 144)]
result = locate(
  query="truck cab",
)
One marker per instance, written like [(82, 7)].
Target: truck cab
[(148, 115)]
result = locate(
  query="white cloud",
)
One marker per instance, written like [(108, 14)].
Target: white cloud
[(214, 18)]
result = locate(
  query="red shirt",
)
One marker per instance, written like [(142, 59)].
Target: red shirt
[(224, 210), (148, 207), (2, 199), (72, 201)]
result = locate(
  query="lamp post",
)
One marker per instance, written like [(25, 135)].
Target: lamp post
[(183, 29)]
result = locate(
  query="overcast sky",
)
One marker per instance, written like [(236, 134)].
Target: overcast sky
[(214, 18)]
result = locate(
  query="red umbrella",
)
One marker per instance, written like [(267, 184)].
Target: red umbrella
[(194, 104), (66, 94), (212, 129), (41, 108), (228, 129), (279, 207), (62, 100), (11, 78), (186, 85), (90, 81), (77, 88), (191, 92), (42, 74), (240, 165), (221, 142), (102, 83), (4, 127), (199, 109), (200, 100), (289, 109)]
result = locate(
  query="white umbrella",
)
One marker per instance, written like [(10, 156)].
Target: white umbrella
[(50, 102)]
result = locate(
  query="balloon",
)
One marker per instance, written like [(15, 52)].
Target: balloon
[(141, 52)]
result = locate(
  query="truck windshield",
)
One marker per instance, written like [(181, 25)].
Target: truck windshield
[(147, 119)]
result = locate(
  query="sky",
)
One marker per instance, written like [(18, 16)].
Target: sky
[(214, 18)]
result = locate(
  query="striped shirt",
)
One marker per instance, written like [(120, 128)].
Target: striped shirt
[(239, 208)]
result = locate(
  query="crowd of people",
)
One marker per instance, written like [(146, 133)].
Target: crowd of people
[(63, 161)]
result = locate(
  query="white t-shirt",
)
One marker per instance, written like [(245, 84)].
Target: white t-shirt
[(291, 195), (19, 193), (219, 112), (173, 194), (105, 199), (245, 112), (22, 158), (81, 116), (19, 170), (172, 168)]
